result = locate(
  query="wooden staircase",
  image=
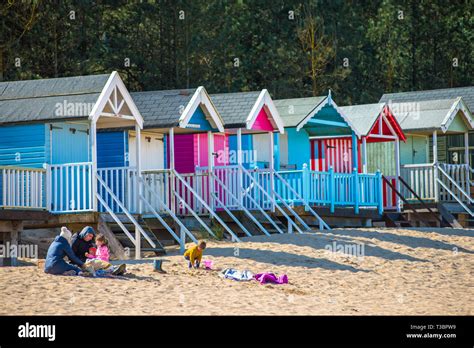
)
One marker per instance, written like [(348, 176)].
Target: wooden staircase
[(419, 214), (120, 244)]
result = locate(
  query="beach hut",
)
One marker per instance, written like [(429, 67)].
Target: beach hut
[(50, 150), (378, 146), (430, 174), (451, 147), (323, 155)]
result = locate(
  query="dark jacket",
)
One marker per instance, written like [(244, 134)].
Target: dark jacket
[(80, 246), (55, 263)]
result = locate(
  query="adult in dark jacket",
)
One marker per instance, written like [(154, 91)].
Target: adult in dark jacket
[(60, 248), (82, 242)]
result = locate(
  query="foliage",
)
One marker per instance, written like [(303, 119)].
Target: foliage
[(359, 49)]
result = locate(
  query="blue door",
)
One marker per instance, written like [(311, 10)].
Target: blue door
[(71, 183)]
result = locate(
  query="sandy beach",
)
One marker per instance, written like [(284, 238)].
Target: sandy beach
[(396, 271)]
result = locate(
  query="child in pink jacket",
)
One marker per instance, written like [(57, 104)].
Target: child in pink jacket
[(100, 259), (102, 251)]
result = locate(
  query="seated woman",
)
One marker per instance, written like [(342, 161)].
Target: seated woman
[(60, 248), (82, 242)]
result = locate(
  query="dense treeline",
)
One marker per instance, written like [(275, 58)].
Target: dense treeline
[(359, 49)]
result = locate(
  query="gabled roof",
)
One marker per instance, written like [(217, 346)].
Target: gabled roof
[(241, 109), (174, 108), (467, 94), (364, 116), (293, 111), (40, 100), (430, 115), (328, 104), (234, 108)]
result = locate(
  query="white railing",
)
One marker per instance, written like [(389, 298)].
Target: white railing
[(123, 183), (459, 173), (23, 188), (158, 195), (69, 188), (421, 178)]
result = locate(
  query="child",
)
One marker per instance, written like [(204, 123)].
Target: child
[(98, 258), (194, 254)]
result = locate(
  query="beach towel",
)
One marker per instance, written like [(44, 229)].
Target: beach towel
[(264, 278), (231, 273)]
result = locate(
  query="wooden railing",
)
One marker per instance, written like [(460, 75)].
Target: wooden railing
[(69, 187), (333, 189), (423, 179), (23, 188), (122, 182)]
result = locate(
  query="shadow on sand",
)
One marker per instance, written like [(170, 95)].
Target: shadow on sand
[(281, 258), (323, 240), (410, 241)]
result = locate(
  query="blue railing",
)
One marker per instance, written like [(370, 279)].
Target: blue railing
[(333, 189)]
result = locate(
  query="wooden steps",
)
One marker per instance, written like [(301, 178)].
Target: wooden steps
[(120, 244)]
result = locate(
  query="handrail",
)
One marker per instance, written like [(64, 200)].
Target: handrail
[(419, 165), (193, 213), (211, 212), (322, 223), (168, 210), (126, 212), (403, 199), (42, 170), (221, 184), (117, 220), (418, 198), (456, 197), (455, 184), (275, 203)]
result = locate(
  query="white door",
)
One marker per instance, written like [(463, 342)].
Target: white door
[(152, 152)]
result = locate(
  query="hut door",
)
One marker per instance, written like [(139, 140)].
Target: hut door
[(69, 143)]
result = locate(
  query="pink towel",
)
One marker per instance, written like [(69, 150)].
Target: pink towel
[(264, 278)]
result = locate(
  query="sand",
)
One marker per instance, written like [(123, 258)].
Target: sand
[(402, 271)]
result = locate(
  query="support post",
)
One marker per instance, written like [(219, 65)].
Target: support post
[(364, 155), (138, 185), (48, 187), (272, 168), (378, 175), (93, 136), (435, 168), (355, 151), (356, 190), (171, 164), (397, 173), (239, 163), (210, 166), (332, 193), (467, 162), (182, 240), (138, 189), (306, 185), (290, 226)]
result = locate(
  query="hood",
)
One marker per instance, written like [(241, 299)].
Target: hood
[(86, 230), (66, 234)]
